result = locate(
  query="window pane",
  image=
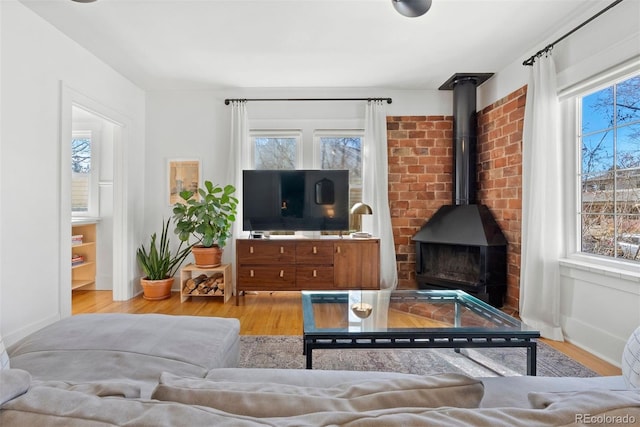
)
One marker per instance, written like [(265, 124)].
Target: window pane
[(597, 152), (597, 111), (597, 234), (610, 189), (275, 153), (629, 237), (81, 155), (628, 147), (628, 100), (343, 153), (80, 174), (597, 193)]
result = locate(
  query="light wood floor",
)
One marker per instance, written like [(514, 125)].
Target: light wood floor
[(262, 313)]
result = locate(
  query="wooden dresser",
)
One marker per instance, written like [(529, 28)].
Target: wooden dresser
[(294, 264)]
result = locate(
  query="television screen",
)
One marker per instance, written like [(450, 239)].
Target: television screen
[(295, 200)]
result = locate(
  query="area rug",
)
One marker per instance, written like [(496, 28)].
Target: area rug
[(279, 351)]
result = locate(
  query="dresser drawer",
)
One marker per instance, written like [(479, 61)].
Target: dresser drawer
[(314, 277), (265, 252), (314, 253), (271, 277)]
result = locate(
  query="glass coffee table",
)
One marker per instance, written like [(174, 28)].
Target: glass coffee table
[(409, 319)]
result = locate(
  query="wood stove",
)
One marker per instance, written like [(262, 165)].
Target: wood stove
[(461, 246)]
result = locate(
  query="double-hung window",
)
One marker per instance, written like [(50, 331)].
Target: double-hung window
[(609, 171), (342, 149), (276, 149), (84, 174)]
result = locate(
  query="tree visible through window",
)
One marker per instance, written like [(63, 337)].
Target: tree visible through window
[(275, 152), (80, 173), (344, 152), (610, 171)]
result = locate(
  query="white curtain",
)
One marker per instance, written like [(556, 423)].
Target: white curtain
[(375, 190), (238, 153), (541, 203)]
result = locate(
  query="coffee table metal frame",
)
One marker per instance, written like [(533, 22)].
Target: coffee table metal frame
[(508, 331)]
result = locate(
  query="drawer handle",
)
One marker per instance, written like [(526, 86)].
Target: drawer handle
[(315, 250), (281, 273), (337, 249), (281, 249), (315, 273), (250, 249), (250, 273)]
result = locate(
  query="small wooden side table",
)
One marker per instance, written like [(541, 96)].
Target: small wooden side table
[(191, 271)]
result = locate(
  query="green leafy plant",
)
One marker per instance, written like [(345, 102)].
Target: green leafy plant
[(159, 262), (209, 219)]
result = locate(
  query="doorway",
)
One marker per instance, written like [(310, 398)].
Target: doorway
[(92, 147), (113, 263)]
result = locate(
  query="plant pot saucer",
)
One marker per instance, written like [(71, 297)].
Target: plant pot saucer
[(208, 265)]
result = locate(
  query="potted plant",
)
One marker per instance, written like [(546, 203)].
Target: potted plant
[(159, 265), (208, 220)]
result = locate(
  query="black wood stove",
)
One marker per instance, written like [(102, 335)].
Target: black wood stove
[(461, 246)]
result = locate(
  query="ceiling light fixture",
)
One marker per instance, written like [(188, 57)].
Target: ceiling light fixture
[(83, 1), (411, 8)]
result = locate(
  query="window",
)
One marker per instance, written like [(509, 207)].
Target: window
[(83, 174), (342, 149), (331, 149), (275, 150), (609, 142)]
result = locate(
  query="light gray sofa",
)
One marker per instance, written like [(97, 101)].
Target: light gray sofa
[(92, 370)]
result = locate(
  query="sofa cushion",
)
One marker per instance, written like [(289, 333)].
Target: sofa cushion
[(258, 399), (514, 391), (4, 357), (100, 388), (631, 360), (127, 347), (59, 407), (13, 382), (50, 406)]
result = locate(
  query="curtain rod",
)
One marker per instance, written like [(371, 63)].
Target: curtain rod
[(532, 59), (228, 101)]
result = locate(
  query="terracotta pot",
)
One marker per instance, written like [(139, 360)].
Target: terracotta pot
[(207, 257), (156, 289)]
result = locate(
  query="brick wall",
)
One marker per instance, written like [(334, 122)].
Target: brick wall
[(500, 176), (421, 179)]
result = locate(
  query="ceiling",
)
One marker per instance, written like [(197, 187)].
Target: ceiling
[(204, 44)]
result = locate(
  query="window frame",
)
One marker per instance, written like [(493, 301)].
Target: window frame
[(572, 117), (318, 134), (277, 133), (93, 202)]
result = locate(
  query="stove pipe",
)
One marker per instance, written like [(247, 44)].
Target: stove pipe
[(464, 134)]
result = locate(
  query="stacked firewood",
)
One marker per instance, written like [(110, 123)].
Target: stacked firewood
[(205, 285)]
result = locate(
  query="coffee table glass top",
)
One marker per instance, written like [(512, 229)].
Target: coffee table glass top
[(410, 311)]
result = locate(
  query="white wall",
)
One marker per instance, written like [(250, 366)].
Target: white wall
[(35, 59)]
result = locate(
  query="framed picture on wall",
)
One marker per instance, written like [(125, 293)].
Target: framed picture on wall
[(184, 174)]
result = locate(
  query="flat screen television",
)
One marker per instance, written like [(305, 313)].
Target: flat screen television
[(295, 200)]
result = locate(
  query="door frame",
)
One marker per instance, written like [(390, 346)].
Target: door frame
[(70, 97)]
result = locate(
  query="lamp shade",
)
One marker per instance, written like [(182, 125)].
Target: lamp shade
[(361, 209), (412, 8)]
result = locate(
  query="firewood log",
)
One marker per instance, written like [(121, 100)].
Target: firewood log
[(193, 283)]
